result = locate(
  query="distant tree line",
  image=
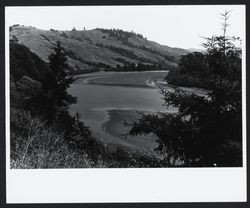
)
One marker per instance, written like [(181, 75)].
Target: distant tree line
[(138, 67), (121, 35)]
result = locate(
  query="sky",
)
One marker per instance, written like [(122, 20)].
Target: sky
[(175, 26)]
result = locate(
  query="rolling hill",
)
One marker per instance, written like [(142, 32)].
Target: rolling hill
[(98, 48)]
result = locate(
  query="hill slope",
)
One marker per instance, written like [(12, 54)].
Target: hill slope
[(98, 48), (25, 63)]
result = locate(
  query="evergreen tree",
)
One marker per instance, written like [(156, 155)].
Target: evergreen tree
[(55, 99), (207, 130)]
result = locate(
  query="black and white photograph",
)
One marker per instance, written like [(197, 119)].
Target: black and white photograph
[(126, 88), (105, 95)]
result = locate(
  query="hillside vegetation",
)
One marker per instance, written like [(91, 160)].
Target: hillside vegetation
[(97, 49), (24, 62)]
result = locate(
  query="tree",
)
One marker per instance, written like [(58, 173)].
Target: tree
[(223, 55), (193, 63), (206, 130), (54, 98)]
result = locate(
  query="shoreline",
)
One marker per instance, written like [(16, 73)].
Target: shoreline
[(112, 130), (90, 74), (114, 126), (103, 78)]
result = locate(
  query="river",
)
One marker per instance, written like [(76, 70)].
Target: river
[(108, 99)]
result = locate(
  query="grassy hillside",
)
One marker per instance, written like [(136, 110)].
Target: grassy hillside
[(98, 48)]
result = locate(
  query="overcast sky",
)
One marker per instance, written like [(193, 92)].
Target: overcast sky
[(175, 26)]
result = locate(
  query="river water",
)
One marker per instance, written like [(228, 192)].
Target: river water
[(108, 99)]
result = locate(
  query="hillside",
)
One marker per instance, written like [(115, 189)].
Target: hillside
[(97, 48), (25, 63), (27, 71)]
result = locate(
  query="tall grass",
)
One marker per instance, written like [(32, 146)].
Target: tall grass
[(35, 145)]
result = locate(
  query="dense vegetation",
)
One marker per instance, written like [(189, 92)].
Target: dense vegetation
[(23, 62), (192, 71), (121, 35), (138, 67), (207, 130), (220, 62)]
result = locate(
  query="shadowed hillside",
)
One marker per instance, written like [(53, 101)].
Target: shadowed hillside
[(24, 62), (27, 71)]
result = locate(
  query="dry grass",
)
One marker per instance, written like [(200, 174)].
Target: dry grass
[(35, 145)]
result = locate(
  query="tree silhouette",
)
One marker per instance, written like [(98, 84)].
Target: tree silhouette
[(54, 98)]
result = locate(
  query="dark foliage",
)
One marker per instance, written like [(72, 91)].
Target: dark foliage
[(24, 62), (174, 77), (193, 71), (54, 98), (79, 70), (78, 136), (139, 67), (121, 35), (207, 130)]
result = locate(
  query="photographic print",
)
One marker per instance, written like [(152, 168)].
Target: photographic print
[(125, 87), (138, 103)]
